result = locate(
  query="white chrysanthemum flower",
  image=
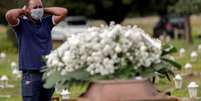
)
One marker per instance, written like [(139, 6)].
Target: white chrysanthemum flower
[(118, 49)]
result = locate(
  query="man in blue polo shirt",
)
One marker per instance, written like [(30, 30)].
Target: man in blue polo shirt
[(33, 31)]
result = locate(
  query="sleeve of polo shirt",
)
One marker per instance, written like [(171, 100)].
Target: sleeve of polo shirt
[(50, 21), (18, 25)]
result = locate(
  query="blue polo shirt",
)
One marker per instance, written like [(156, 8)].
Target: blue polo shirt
[(34, 40)]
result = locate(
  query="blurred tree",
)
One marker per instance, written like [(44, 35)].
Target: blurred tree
[(108, 10), (76, 7), (147, 7), (113, 10), (187, 8), (6, 5)]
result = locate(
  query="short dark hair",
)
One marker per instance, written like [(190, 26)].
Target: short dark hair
[(27, 2)]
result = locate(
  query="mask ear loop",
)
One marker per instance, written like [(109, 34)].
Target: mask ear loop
[(42, 13)]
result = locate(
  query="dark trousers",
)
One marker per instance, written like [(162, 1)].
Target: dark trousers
[(32, 87)]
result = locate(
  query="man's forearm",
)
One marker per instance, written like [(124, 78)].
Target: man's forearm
[(57, 11), (13, 15)]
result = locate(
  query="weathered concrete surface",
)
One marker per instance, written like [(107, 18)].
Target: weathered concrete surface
[(128, 90)]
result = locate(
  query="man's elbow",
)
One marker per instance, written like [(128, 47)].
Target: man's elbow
[(11, 17), (65, 12), (8, 15)]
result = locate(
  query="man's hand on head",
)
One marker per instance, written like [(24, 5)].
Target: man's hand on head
[(57, 12), (26, 10), (12, 16)]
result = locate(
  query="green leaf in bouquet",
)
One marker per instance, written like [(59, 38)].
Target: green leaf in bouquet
[(172, 62), (167, 72), (64, 81), (51, 80), (98, 77), (80, 74), (168, 49), (167, 76), (158, 67), (161, 75), (147, 72), (125, 72), (68, 84)]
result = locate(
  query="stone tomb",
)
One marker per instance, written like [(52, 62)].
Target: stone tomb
[(128, 90)]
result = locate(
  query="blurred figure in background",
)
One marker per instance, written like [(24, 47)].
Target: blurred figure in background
[(169, 25)]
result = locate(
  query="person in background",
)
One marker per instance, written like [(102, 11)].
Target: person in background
[(33, 31)]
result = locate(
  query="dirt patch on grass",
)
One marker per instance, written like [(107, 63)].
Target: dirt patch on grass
[(2, 29)]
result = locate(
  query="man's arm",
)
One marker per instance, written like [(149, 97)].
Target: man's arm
[(12, 16), (57, 12)]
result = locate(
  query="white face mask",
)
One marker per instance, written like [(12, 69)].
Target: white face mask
[(37, 14)]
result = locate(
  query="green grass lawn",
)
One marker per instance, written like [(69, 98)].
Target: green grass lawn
[(196, 68), (147, 24), (5, 69)]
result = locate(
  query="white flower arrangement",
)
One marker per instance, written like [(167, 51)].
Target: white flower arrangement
[(104, 50), (100, 49)]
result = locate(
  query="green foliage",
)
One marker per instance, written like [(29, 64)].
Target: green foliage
[(52, 79), (11, 36), (186, 7), (7, 5), (78, 7), (108, 10), (6, 45), (127, 2), (168, 49)]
